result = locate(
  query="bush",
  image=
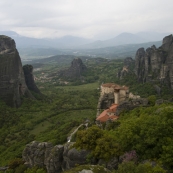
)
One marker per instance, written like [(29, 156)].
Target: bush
[(15, 163), (152, 100), (131, 167)]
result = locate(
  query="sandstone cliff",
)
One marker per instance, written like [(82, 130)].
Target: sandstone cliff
[(156, 64), (75, 71), (12, 80), (29, 78)]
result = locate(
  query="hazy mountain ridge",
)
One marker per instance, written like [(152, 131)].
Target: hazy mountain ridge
[(63, 42), (69, 41), (126, 38)]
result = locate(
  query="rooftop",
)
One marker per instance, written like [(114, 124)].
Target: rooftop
[(115, 86), (104, 116)]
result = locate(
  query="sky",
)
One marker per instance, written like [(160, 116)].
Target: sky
[(93, 19)]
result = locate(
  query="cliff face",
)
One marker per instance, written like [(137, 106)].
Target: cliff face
[(75, 71), (12, 80), (29, 78), (128, 64), (54, 158), (156, 64)]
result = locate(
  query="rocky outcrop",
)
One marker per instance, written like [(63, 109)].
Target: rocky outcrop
[(72, 156), (29, 78), (12, 80), (75, 71), (128, 65), (54, 158), (128, 61), (156, 64), (131, 104), (104, 102)]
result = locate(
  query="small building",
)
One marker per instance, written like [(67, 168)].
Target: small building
[(121, 93), (111, 96)]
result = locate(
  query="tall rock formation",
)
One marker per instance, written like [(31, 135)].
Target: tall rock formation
[(29, 78), (12, 80), (128, 66), (75, 70), (156, 64)]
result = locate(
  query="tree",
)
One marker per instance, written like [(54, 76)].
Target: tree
[(101, 143)]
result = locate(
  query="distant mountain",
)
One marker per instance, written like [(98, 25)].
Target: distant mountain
[(126, 38), (60, 43), (71, 42)]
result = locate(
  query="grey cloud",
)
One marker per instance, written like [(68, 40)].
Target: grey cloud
[(90, 18)]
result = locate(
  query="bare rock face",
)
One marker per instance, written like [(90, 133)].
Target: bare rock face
[(167, 41), (29, 78), (127, 68), (44, 155), (140, 64), (130, 105), (104, 102), (71, 157), (12, 80), (75, 71), (54, 158), (156, 64)]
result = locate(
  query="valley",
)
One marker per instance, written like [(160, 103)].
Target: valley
[(69, 90)]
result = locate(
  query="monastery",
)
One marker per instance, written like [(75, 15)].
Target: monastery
[(118, 94)]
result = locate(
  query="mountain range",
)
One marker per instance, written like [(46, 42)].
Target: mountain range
[(70, 42)]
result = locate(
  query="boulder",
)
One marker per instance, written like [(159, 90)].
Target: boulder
[(72, 156), (53, 158), (44, 155)]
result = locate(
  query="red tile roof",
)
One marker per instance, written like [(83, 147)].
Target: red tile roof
[(103, 117), (113, 108)]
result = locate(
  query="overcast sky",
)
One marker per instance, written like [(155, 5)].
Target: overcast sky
[(85, 18)]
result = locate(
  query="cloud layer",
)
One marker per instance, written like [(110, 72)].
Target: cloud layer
[(85, 18)]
